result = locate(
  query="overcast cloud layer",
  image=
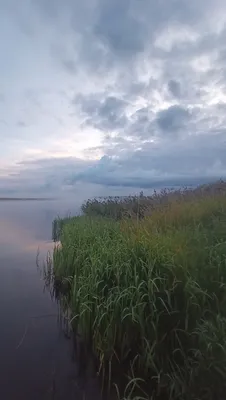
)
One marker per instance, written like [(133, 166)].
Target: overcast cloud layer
[(111, 93)]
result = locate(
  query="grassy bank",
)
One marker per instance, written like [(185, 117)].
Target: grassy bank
[(149, 293)]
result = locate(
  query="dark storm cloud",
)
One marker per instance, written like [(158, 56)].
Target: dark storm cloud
[(105, 113), (127, 27), (174, 88), (119, 28), (111, 32), (148, 182), (173, 118), (141, 124), (194, 160)]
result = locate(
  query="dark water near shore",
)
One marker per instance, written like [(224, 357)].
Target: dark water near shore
[(35, 358)]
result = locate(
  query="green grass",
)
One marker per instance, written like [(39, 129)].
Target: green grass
[(150, 295)]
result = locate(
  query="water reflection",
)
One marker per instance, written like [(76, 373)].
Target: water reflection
[(35, 359)]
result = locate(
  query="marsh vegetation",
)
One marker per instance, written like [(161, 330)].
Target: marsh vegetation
[(144, 282)]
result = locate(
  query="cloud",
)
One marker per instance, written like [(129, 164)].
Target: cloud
[(21, 124), (46, 176), (191, 160), (119, 28), (174, 88), (116, 93), (106, 113), (173, 118), (70, 66)]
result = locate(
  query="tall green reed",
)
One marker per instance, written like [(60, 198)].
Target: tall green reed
[(150, 296)]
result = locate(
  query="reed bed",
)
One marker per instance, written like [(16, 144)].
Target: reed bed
[(140, 206), (149, 295)]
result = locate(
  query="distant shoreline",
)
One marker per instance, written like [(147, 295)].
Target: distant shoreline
[(25, 198)]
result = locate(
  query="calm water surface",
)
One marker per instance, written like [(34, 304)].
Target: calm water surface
[(36, 360)]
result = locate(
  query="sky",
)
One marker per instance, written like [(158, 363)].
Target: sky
[(109, 96)]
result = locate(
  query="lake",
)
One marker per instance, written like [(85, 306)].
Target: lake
[(36, 360)]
